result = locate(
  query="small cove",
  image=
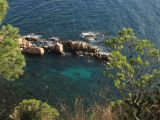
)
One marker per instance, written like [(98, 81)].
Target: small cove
[(50, 79)]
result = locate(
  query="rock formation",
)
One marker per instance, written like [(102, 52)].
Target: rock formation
[(28, 48), (78, 48)]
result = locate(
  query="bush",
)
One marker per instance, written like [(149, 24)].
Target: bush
[(34, 110)]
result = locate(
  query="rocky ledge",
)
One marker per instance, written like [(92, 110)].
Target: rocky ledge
[(36, 46)]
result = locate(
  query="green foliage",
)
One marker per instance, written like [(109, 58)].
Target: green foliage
[(134, 66), (3, 9), (34, 110), (9, 32), (123, 36), (140, 106), (11, 59)]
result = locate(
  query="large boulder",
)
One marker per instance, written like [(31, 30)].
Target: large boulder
[(33, 50), (28, 48), (79, 46), (24, 43), (57, 48)]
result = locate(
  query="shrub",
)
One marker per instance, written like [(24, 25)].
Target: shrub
[(34, 110)]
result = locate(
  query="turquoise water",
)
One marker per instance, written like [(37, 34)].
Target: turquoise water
[(54, 78), (57, 79), (78, 72)]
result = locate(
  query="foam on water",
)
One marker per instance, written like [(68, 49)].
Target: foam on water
[(33, 35), (90, 36)]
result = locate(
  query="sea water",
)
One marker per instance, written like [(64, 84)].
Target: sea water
[(55, 78)]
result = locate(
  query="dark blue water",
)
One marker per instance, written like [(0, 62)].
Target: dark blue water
[(52, 77), (68, 18)]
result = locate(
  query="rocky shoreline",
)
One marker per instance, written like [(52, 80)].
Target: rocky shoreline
[(37, 46)]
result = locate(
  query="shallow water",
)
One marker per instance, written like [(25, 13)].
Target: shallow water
[(53, 77)]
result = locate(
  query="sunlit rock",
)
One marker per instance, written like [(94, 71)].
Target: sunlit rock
[(33, 50), (24, 43)]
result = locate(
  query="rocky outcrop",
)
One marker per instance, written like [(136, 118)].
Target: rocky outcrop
[(53, 45)]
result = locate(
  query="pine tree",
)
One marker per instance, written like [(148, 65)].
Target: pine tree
[(3, 9), (11, 59), (134, 66)]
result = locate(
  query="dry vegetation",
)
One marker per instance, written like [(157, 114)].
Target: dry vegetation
[(94, 113)]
